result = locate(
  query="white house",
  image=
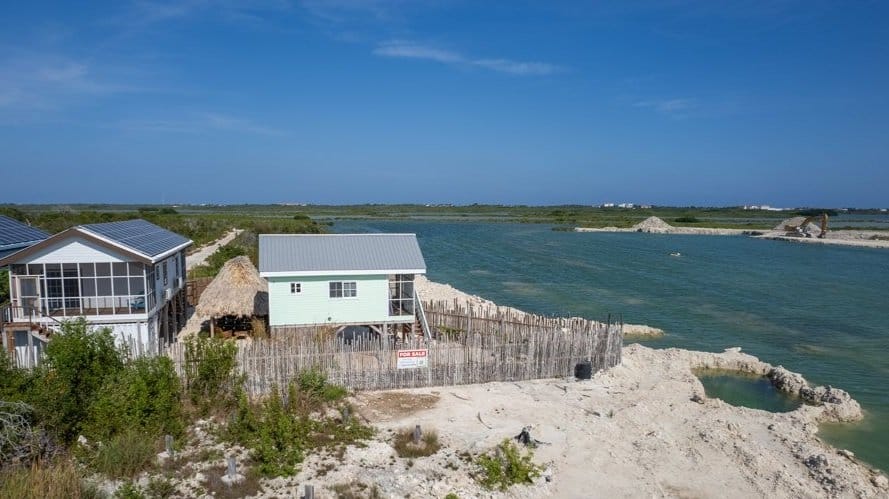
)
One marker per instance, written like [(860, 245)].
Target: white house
[(343, 280), (129, 276)]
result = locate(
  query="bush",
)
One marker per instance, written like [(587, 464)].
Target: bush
[(505, 466), (313, 385), (280, 433), (144, 396), (78, 362), (686, 220), (210, 373), (51, 480), (124, 455)]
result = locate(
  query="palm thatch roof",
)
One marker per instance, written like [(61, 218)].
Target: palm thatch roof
[(237, 290)]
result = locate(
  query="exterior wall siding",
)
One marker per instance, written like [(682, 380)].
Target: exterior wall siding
[(75, 250), (313, 304), (172, 279)]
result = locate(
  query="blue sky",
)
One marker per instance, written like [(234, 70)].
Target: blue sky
[(347, 101)]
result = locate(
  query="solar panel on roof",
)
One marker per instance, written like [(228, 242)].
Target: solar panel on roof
[(15, 232), (139, 235)]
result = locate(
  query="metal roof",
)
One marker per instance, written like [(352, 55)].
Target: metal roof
[(339, 253), (15, 235), (138, 235)]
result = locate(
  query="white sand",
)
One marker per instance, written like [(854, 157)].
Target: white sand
[(630, 432)]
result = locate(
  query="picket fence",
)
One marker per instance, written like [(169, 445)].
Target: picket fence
[(466, 345)]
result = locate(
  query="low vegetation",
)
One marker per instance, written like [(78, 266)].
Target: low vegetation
[(57, 479), (505, 466), (92, 408), (405, 446), (280, 431)]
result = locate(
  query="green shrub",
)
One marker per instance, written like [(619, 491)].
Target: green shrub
[(49, 480), (505, 466), (210, 373), (124, 455), (278, 441), (14, 382), (280, 433), (160, 488), (313, 384), (686, 220), (144, 395), (78, 362)]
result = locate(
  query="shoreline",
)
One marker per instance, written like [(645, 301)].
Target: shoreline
[(436, 291), (669, 443), (855, 238)]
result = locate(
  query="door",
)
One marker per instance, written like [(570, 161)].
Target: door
[(28, 292)]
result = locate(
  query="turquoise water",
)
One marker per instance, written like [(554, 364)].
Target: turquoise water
[(756, 392), (818, 310)]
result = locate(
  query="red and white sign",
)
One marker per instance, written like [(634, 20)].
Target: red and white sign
[(412, 359)]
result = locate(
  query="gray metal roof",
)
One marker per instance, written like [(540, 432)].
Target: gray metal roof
[(138, 235), (15, 235), (340, 253)]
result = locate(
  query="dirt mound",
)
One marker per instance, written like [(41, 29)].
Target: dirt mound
[(797, 221), (653, 224)]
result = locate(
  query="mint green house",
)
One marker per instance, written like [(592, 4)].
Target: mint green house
[(343, 280)]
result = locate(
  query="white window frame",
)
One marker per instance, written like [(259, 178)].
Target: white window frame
[(342, 290)]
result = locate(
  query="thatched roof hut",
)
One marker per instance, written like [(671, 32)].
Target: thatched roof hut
[(237, 290)]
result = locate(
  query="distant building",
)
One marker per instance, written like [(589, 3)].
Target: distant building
[(128, 276), (626, 205), (763, 207), (608, 205), (343, 280)]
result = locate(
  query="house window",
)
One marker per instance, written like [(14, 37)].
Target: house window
[(296, 287), (165, 272), (343, 289)]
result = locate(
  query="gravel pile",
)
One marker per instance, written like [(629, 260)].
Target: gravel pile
[(653, 224)]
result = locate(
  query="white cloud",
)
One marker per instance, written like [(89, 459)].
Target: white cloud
[(668, 106), (45, 81), (412, 50)]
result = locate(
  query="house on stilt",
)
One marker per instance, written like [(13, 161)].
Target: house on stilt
[(128, 276), (349, 282)]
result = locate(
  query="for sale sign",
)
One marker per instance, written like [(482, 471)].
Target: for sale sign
[(412, 359)]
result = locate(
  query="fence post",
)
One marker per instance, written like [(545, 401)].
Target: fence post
[(418, 434), (310, 492)]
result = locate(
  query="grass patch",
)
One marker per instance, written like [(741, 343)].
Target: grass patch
[(124, 455), (355, 490), (506, 466), (217, 488), (405, 447), (54, 480)]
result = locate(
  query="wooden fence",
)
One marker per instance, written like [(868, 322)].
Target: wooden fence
[(194, 288), (467, 346)]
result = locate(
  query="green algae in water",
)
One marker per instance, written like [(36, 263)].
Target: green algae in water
[(755, 392)]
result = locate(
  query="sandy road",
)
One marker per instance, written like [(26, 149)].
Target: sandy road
[(200, 256)]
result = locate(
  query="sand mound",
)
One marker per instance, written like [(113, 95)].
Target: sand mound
[(653, 224), (796, 221)]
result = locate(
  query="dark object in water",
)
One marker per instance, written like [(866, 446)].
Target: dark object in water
[(583, 370)]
